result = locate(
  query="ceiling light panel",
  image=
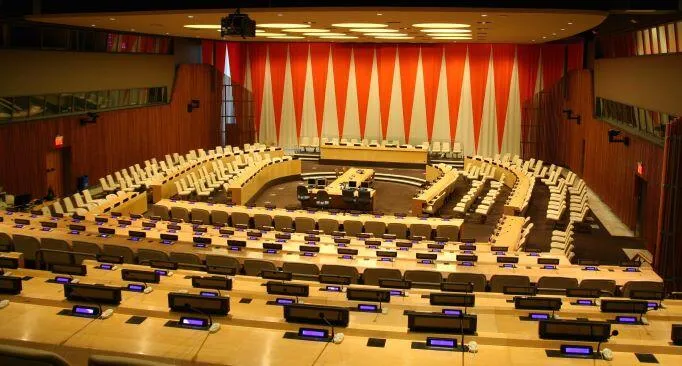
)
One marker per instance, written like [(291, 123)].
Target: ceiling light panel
[(269, 34), (324, 34), (373, 30), (441, 25), (285, 37), (385, 34), (359, 25), (445, 30), (282, 25), (203, 26), (305, 30), (338, 37), (463, 36)]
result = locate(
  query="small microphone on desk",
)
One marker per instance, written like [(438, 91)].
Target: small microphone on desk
[(335, 338)]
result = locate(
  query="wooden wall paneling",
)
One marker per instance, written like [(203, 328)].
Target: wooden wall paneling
[(118, 139), (609, 168)]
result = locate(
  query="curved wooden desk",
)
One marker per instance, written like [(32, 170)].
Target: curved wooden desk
[(513, 177), (264, 174), (378, 154)]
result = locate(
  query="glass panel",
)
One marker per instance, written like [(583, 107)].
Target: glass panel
[(79, 104), (134, 96), (662, 39), (640, 43), (5, 108), (65, 103), (672, 39), (36, 106), (647, 42), (103, 99), (20, 107), (679, 36), (51, 104), (654, 41), (113, 99)]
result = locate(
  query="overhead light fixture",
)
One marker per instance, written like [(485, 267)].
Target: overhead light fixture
[(112, 18), (385, 34), (279, 14), (269, 34), (306, 30), (484, 15), (441, 25), (570, 23), (285, 37), (338, 37), (554, 34), (282, 25), (202, 26), (259, 31), (191, 16), (324, 34), (563, 29), (451, 37), (132, 29), (373, 30), (544, 37), (92, 25), (380, 14), (360, 25), (445, 30), (393, 37)]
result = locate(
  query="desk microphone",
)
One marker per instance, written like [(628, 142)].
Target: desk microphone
[(335, 338)]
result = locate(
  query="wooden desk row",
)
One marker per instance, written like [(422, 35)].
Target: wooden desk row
[(435, 194), (405, 261), (514, 177), (126, 204), (509, 232), (260, 325), (374, 154), (244, 191)]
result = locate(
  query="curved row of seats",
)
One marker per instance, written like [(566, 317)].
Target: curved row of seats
[(306, 224)]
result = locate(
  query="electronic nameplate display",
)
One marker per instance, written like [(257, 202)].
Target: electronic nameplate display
[(288, 289), (140, 276), (213, 282), (218, 305), (74, 270), (92, 293), (316, 314), (335, 279), (366, 294), (10, 285), (441, 323), (452, 299), (574, 330)]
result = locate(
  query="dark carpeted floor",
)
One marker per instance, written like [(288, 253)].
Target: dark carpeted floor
[(395, 197)]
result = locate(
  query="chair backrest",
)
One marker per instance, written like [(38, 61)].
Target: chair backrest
[(202, 215), (146, 255), (338, 270), (302, 193), (219, 217), (364, 196), (352, 227), (641, 286), (377, 228), (161, 211), (477, 279), (606, 286), (397, 229), (240, 218), (499, 282), (421, 230), (448, 231), (118, 250), (6, 241), (322, 198), (328, 226), (283, 222), (308, 269), (84, 247), (348, 195), (223, 261), (186, 258), (304, 224), (54, 244), (27, 245), (180, 213), (102, 360), (15, 355), (371, 276), (254, 267), (423, 277), (562, 283), (260, 220)]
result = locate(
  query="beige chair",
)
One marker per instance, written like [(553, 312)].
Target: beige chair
[(352, 227), (219, 217), (301, 271), (371, 276), (641, 286), (5, 242), (552, 284), (254, 267), (57, 252), (260, 220), (184, 258), (85, 248), (119, 251), (421, 230), (448, 231), (180, 213), (377, 228), (328, 226), (397, 229), (477, 279), (338, 270), (423, 279), (27, 245), (607, 287), (161, 211), (304, 224), (223, 261), (201, 215), (283, 222), (499, 282)]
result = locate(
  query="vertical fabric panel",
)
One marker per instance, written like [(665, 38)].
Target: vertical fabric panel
[(373, 126), (455, 57), (207, 51), (479, 62), (432, 57), (503, 64), (298, 57), (552, 64), (409, 58), (363, 57), (385, 66), (278, 61), (236, 52), (319, 57), (575, 55), (341, 60), (258, 53)]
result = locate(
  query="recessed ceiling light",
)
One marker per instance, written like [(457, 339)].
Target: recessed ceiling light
[(563, 29), (202, 26), (360, 25), (282, 25), (484, 15), (393, 37), (338, 37), (92, 25), (268, 34), (385, 34), (543, 37), (190, 16), (325, 34), (373, 30), (570, 23), (484, 22), (112, 18), (441, 25), (169, 33), (308, 22), (306, 30), (451, 37), (279, 14), (463, 36), (554, 34), (132, 29), (259, 31), (533, 41), (445, 30), (286, 37), (380, 14)]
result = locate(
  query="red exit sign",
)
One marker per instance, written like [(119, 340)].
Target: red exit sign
[(640, 168)]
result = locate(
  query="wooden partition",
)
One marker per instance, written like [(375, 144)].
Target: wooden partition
[(118, 139)]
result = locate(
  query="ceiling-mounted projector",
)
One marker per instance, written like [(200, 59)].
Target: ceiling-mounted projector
[(237, 24)]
